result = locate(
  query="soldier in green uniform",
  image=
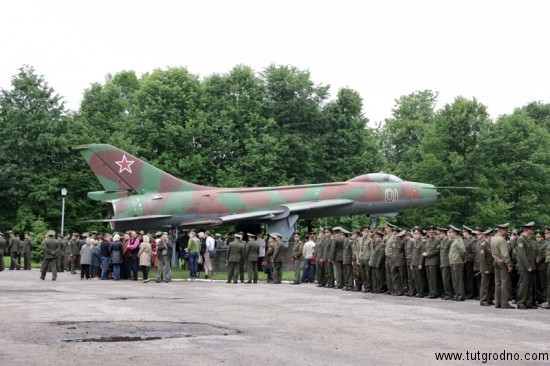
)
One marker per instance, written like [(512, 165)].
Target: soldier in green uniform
[(26, 251), (445, 266), (364, 251), (503, 266), (61, 253), (75, 244), (389, 242), (486, 268), (14, 249), (355, 261), (319, 253), (409, 248), (469, 279), (547, 260), (297, 254), (235, 254), (417, 264), (541, 267), (68, 253), (269, 257), (457, 255), (251, 253), (337, 256), (377, 262), (51, 246), (399, 272), (2, 248), (347, 261), (479, 238), (526, 265), (327, 263), (431, 256), (278, 259)]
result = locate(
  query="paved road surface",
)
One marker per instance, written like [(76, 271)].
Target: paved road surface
[(71, 321)]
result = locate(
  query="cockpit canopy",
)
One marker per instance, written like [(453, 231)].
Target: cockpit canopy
[(377, 177)]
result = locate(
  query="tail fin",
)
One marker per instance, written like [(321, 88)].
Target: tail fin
[(119, 171)]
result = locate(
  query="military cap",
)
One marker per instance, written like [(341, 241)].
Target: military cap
[(365, 228), (529, 224), (321, 228), (336, 228), (401, 234), (327, 229), (297, 234), (250, 235), (238, 236), (466, 228), (503, 226), (158, 233), (85, 235), (273, 235), (279, 235), (391, 225), (455, 229), (94, 232), (539, 232), (488, 231), (430, 228), (11, 232), (50, 233), (442, 229), (218, 235), (344, 231), (380, 234), (1, 233)]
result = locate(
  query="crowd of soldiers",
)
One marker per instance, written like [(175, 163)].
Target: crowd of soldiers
[(19, 251), (494, 266)]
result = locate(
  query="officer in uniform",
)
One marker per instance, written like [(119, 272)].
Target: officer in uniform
[(75, 244), (337, 255), (445, 265), (347, 261), (399, 272), (409, 248), (251, 253), (376, 261), (355, 261), (431, 260), (503, 266), (486, 268), (297, 254), (14, 249), (26, 250), (269, 257), (278, 259), (51, 247), (541, 266), (61, 253), (319, 252), (547, 260), (527, 266), (417, 264), (469, 279), (327, 263), (235, 254), (364, 250), (389, 243), (457, 255), (479, 238), (2, 248)]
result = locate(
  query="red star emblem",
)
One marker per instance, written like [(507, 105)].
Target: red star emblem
[(124, 164)]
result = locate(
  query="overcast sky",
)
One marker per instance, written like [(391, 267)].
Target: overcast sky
[(497, 51)]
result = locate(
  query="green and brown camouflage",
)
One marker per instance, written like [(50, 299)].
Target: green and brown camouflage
[(142, 196)]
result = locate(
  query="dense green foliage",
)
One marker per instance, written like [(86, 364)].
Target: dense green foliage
[(270, 128)]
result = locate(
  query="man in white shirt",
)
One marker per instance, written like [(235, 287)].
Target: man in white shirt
[(309, 266)]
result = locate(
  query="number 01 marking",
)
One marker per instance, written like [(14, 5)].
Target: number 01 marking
[(391, 195)]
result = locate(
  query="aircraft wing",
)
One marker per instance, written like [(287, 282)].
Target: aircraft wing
[(276, 213), (133, 218)]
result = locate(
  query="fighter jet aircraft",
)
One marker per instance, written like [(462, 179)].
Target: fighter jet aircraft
[(142, 196)]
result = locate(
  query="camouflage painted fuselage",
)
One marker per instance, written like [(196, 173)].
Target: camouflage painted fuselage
[(145, 197)]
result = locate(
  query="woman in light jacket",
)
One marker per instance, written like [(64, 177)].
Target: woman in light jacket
[(144, 254), (86, 259)]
